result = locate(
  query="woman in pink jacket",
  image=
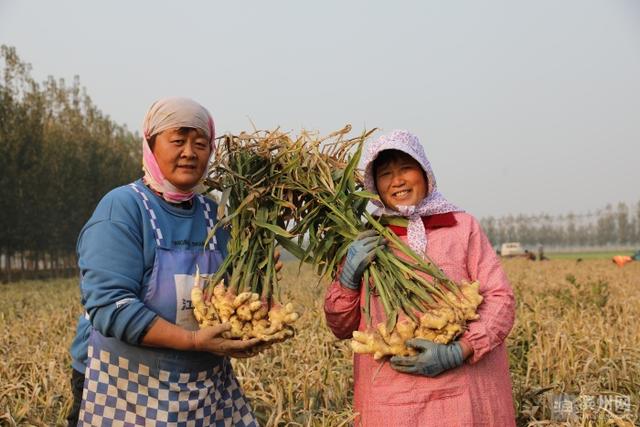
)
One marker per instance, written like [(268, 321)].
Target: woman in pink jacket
[(465, 383)]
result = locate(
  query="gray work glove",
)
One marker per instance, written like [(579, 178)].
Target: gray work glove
[(432, 360), (359, 255)]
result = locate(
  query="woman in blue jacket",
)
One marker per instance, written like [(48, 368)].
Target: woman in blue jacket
[(138, 355)]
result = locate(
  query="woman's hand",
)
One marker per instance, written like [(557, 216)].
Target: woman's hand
[(167, 335), (210, 340), (359, 255), (432, 360)]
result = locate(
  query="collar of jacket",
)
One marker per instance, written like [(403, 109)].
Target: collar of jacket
[(430, 222)]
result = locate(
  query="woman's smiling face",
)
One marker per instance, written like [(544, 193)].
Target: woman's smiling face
[(182, 155), (401, 181)]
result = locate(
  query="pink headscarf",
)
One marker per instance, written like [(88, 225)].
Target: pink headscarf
[(433, 203), (169, 113)]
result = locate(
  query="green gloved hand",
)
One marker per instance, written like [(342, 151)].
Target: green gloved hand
[(432, 360)]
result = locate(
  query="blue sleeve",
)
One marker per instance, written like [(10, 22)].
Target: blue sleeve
[(111, 260)]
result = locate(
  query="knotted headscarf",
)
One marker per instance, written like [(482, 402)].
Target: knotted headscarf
[(433, 203), (169, 113)]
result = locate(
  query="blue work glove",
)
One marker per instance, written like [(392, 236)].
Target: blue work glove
[(359, 255), (432, 360)]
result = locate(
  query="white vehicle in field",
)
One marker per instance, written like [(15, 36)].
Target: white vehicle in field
[(511, 249)]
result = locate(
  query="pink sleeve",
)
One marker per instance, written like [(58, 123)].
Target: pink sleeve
[(342, 309), (497, 311)]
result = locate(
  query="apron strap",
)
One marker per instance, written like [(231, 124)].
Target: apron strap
[(152, 214), (208, 219)]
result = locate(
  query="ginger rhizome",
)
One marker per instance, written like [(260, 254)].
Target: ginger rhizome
[(440, 325), (248, 314)]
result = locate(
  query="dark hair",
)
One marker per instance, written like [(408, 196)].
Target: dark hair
[(389, 156), (385, 157), (152, 141), (182, 130)]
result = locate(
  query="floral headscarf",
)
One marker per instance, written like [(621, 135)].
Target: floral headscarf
[(433, 203), (166, 114)]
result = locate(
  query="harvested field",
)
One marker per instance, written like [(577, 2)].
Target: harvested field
[(576, 333)]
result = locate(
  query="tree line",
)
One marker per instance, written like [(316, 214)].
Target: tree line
[(619, 226), (59, 154)]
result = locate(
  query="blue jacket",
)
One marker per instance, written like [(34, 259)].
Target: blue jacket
[(116, 253)]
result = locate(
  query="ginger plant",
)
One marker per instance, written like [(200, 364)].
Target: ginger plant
[(248, 315), (307, 195), (441, 325)]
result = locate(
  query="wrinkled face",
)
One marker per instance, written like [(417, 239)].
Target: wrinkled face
[(182, 155), (401, 181)]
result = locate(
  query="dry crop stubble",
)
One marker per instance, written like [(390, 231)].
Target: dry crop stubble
[(306, 380), (37, 323), (576, 331)]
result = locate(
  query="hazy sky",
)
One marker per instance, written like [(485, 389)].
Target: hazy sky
[(523, 107)]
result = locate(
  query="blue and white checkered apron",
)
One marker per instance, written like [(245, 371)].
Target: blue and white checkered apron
[(129, 385)]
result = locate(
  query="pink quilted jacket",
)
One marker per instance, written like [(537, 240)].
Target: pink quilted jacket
[(476, 394)]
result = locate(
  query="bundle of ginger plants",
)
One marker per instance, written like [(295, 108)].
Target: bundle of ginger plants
[(307, 195), (255, 209)]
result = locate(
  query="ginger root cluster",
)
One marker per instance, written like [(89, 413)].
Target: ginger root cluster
[(440, 325), (249, 316)]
